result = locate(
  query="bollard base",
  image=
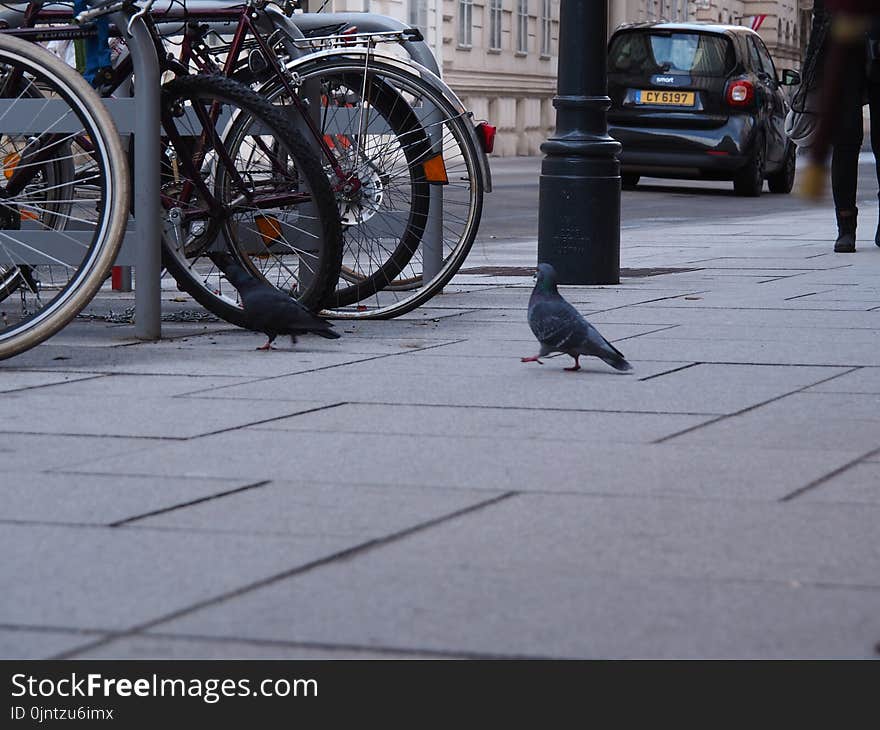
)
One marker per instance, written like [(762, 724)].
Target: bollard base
[(579, 219)]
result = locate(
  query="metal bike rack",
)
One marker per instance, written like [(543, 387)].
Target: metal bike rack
[(145, 125)]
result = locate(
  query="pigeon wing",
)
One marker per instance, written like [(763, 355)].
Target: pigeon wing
[(557, 324)]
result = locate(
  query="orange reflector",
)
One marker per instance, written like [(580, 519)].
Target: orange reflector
[(9, 163), (435, 170), (269, 227), (28, 215)]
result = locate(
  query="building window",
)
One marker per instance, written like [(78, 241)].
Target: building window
[(495, 25), (522, 26), (545, 27), (418, 15), (465, 23)]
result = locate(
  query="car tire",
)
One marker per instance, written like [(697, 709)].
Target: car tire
[(749, 181), (782, 181), (628, 180)]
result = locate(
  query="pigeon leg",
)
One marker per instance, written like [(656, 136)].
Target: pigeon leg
[(576, 366), (533, 358), (268, 345)]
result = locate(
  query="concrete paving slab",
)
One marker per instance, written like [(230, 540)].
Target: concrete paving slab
[(32, 454), (658, 313), (153, 417), (829, 336), (125, 386), (838, 421), (497, 605), (462, 421), (806, 352), (488, 463), (12, 380), (98, 499), (709, 389), (307, 509), (112, 579)]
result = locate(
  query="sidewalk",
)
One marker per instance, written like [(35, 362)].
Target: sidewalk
[(413, 490)]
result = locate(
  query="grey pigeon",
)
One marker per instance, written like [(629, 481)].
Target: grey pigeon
[(268, 310), (559, 327)]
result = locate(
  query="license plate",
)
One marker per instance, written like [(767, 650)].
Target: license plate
[(665, 97)]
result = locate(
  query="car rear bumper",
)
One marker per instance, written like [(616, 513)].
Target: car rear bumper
[(680, 152)]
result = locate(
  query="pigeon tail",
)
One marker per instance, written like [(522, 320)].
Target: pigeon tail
[(326, 334), (616, 360)]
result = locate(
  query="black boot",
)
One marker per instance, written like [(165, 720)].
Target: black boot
[(846, 231)]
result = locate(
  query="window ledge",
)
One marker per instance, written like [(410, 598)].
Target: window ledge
[(494, 51), (521, 54), (463, 47)]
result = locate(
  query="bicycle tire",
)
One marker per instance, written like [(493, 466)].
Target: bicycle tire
[(397, 287), (404, 125), (85, 275), (207, 287)]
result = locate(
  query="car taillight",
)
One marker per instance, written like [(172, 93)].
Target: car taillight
[(486, 135), (740, 93)]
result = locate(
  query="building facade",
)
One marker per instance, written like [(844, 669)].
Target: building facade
[(500, 56)]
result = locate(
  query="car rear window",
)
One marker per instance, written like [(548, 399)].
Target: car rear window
[(699, 54)]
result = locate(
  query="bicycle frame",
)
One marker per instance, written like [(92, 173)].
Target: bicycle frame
[(194, 183)]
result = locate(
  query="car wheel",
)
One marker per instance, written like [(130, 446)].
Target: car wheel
[(628, 181), (782, 181), (749, 181)]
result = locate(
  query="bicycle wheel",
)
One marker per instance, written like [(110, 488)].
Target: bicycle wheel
[(410, 190), (237, 178), (63, 194)]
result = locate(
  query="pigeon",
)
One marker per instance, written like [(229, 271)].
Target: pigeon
[(268, 310), (559, 327)]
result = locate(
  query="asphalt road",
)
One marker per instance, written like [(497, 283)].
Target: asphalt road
[(511, 210)]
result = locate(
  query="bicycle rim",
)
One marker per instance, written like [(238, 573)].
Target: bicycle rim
[(408, 149), (63, 194)]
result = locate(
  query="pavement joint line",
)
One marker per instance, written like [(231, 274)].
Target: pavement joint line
[(830, 475), (665, 328), (329, 646), (742, 411), (330, 367), (189, 503), (649, 301), (53, 629), (50, 385), (19, 432), (266, 420), (345, 554), (758, 309), (533, 408), (808, 294), (669, 372)]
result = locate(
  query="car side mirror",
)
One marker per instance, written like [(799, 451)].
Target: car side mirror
[(790, 77)]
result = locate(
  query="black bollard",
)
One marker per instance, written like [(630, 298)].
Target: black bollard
[(579, 208)]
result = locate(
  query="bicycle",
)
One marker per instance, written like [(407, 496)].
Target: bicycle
[(236, 176), (388, 201), (63, 193)]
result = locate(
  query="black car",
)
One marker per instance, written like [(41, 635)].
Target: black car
[(699, 101)]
